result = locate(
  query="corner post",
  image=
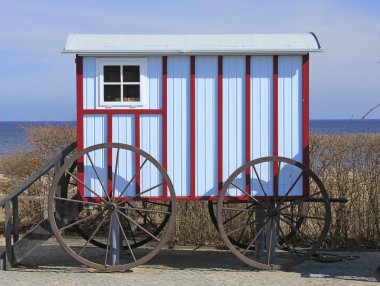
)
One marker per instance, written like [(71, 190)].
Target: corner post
[(8, 237), (15, 225)]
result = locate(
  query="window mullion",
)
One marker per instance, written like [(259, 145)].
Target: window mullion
[(121, 84)]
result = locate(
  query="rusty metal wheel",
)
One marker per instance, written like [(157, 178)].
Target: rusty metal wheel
[(111, 209), (282, 225), (137, 240)]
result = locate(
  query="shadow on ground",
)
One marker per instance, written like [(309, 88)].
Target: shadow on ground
[(52, 258)]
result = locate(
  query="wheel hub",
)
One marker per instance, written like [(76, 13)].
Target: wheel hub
[(273, 213), (112, 206)]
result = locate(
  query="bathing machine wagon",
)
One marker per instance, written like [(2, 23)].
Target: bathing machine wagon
[(168, 118)]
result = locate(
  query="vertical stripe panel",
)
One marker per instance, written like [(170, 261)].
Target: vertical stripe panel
[(95, 130), (234, 119), (151, 142), (154, 83), (178, 123), (290, 118), (206, 126), (123, 131), (262, 121), (89, 83)]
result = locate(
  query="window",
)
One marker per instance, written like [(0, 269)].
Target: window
[(121, 82)]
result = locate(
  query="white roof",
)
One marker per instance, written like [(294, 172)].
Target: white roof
[(97, 44)]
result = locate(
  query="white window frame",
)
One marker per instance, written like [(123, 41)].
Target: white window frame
[(141, 62)]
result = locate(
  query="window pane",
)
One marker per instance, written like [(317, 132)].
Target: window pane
[(131, 92), (131, 73), (111, 73), (112, 93)]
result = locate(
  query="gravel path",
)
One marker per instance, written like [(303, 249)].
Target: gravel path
[(50, 265)]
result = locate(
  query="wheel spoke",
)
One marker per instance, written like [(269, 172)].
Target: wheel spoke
[(132, 179), (78, 201), (157, 203), (126, 239), (302, 216), (92, 235), (256, 236), (81, 220), (130, 228), (253, 198), (115, 174), (237, 209), (147, 190), (299, 232), (284, 236), (97, 175), (291, 188), (144, 210), (236, 215), (260, 182), (239, 228), (139, 226), (87, 226), (269, 251), (277, 177), (145, 217), (84, 185), (242, 232), (108, 241), (297, 202)]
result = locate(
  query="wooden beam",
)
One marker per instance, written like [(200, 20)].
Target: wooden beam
[(15, 225), (8, 238)]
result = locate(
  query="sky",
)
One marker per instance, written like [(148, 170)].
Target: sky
[(37, 82)]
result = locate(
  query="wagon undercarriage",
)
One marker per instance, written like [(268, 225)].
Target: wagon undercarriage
[(113, 232), (121, 232)]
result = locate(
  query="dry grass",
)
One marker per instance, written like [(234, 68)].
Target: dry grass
[(46, 142), (348, 165)]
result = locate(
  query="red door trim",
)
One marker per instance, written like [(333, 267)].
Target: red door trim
[(248, 121), (109, 154), (192, 126), (275, 119), (305, 120), (164, 120), (80, 130), (220, 122), (137, 157)]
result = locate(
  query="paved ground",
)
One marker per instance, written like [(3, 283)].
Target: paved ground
[(50, 265)]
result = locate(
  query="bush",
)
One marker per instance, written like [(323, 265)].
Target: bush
[(46, 142), (348, 165)]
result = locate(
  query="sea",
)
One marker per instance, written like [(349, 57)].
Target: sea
[(13, 135)]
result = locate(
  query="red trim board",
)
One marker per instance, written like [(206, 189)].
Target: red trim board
[(192, 126), (220, 122)]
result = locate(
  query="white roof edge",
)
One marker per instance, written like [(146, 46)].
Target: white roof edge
[(202, 44)]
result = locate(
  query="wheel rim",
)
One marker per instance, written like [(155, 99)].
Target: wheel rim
[(277, 232), (114, 210)]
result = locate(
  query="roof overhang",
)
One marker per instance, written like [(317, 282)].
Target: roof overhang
[(223, 44)]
